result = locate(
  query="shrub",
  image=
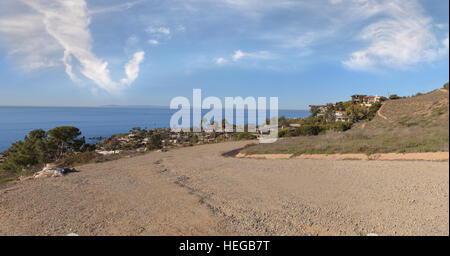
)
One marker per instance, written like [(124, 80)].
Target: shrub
[(373, 110), (245, 136), (127, 146), (112, 143), (284, 133), (308, 130), (155, 142), (282, 121), (394, 97), (74, 159), (342, 126)]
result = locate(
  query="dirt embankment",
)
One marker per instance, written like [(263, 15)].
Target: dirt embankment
[(430, 156)]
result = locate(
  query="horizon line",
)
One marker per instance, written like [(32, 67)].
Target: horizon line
[(111, 106)]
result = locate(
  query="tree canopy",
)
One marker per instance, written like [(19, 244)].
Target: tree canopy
[(40, 147)]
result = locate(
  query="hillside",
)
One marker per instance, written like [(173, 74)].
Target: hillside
[(414, 124)]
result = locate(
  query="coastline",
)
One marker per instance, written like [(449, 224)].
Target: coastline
[(17, 122)]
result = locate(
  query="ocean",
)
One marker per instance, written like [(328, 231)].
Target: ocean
[(16, 122)]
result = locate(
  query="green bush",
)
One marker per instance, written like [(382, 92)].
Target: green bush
[(308, 130), (342, 126), (74, 159), (282, 121), (126, 147), (245, 136), (373, 110), (155, 142), (284, 133), (394, 97)]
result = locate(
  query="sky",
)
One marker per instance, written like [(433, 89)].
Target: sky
[(146, 52)]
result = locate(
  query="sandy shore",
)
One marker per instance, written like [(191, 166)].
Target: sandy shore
[(197, 191)]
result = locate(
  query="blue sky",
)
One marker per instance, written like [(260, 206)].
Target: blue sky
[(98, 52)]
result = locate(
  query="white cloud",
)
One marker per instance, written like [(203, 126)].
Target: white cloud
[(114, 8), (159, 34), (252, 55), (156, 30), (238, 55), (132, 68), (61, 28), (221, 61), (395, 33), (402, 37), (40, 52), (153, 42)]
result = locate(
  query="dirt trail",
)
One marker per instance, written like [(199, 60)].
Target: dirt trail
[(197, 191), (381, 115)]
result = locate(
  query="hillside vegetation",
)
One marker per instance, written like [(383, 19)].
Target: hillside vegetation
[(414, 124)]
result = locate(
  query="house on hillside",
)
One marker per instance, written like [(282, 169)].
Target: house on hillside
[(321, 109), (358, 98), (369, 100), (341, 116)]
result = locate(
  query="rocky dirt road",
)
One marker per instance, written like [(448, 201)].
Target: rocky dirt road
[(197, 191)]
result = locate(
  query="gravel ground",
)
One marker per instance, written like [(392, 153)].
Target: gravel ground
[(197, 191)]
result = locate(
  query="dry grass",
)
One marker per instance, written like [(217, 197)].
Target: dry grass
[(416, 124)]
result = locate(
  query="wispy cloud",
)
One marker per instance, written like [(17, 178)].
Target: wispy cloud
[(153, 42), (240, 55), (394, 33), (158, 30), (359, 34), (114, 8), (401, 36), (40, 52), (62, 27), (159, 34), (262, 55), (221, 61)]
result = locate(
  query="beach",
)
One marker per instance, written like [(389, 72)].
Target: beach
[(198, 191)]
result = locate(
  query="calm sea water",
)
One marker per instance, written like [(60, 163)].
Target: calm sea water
[(16, 122)]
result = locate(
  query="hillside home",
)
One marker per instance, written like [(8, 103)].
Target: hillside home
[(341, 116), (321, 108), (369, 100), (358, 98)]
